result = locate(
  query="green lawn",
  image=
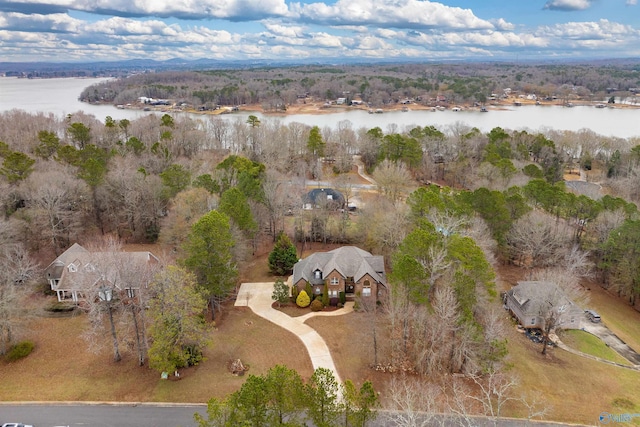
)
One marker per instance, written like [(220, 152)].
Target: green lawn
[(590, 344)]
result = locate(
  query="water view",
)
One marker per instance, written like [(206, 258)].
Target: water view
[(60, 97)]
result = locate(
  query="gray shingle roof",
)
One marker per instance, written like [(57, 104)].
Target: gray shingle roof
[(349, 261)]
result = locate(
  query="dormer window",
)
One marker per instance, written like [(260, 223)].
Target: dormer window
[(73, 268), (317, 274)]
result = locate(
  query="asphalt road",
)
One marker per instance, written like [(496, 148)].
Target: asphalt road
[(175, 415), (101, 415)]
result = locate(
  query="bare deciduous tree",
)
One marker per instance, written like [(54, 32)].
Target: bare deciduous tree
[(559, 289), (494, 390), (17, 273), (57, 201), (384, 225), (413, 402), (114, 283), (538, 240), (394, 179)]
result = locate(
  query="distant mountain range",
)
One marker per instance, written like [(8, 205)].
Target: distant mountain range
[(127, 67), (120, 68)]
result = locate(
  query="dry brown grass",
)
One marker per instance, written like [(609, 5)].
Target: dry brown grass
[(576, 389), (61, 368), (350, 339)]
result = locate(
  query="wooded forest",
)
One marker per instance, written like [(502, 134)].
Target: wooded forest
[(376, 85)]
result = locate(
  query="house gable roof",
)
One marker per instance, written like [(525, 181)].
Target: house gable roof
[(348, 261), (530, 295), (86, 271), (54, 270), (318, 196)]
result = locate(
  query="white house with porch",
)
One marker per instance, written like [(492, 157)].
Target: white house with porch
[(76, 272)]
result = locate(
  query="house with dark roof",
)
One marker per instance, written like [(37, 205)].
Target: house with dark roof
[(349, 270), (529, 300), (77, 272), (323, 197)]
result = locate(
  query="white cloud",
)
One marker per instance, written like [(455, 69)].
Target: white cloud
[(289, 52), (389, 29), (57, 22), (502, 25), (389, 13), (374, 43), (600, 30), (186, 9), (284, 31), (632, 2), (568, 4), (386, 33), (353, 28), (325, 40), (124, 26)]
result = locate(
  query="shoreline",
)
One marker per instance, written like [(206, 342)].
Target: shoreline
[(317, 108)]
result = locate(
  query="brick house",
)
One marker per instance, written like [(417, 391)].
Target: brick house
[(347, 269)]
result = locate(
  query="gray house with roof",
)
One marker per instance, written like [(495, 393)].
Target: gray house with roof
[(347, 269), (530, 301), (78, 272)]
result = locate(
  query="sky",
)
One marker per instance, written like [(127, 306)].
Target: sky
[(402, 30)]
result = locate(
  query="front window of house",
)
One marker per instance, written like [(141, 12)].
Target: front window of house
[(366, 289), (335, 281), (317, 274), (333, 293), (317, 290), (533, 321)]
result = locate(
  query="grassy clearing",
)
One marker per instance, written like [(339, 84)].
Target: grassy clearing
[(575, 389), (590, 344)]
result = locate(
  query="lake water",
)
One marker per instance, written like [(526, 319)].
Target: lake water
[(60, 97)]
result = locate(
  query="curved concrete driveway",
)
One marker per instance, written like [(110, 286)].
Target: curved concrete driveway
[(257, 296)]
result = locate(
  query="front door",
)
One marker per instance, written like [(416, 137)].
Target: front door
[(349, 286)]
